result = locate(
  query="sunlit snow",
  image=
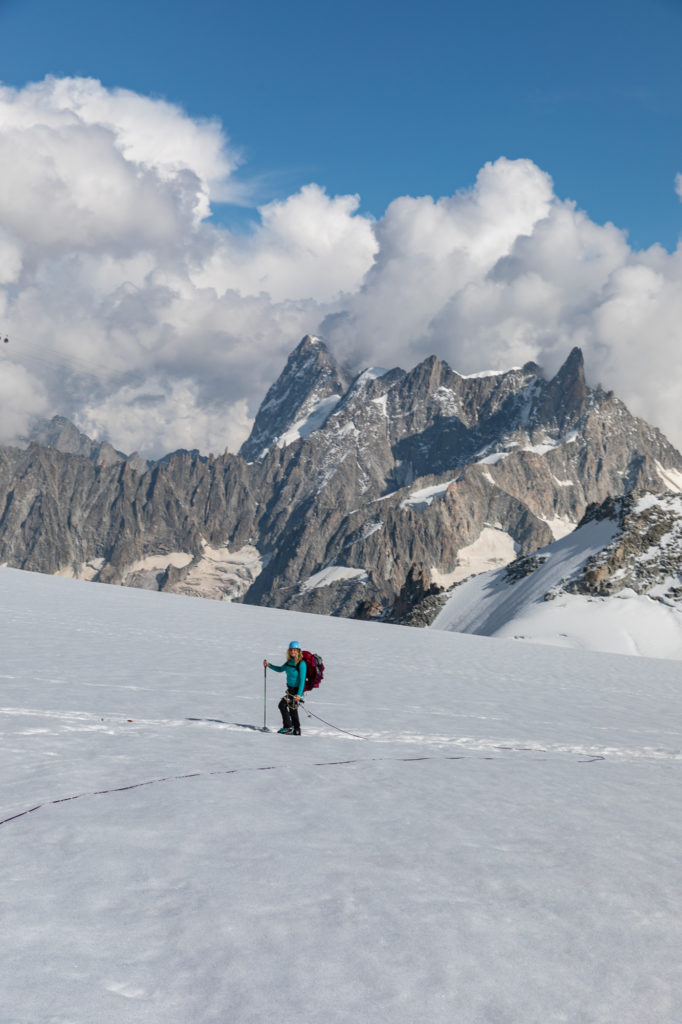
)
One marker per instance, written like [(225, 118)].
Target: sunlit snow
[(319, 412), (334, 573), (492, 605), (425, 495), (497, 843)]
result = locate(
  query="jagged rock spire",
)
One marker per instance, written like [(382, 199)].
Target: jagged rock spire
[(299, 401), (567, 394)]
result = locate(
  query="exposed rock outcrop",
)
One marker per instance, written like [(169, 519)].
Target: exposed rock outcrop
[(646, 554)]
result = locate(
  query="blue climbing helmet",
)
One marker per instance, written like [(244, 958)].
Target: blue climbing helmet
[(294, 646)]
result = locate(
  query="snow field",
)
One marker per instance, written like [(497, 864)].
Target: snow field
[(625, 623), (504, 847)]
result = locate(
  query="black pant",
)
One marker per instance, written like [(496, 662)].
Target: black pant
[(289, 709)]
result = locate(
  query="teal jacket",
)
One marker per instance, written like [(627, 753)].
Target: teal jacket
[(295, 675)]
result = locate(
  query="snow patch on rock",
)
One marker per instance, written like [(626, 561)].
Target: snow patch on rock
[(492, 460), (313, 421), (492, 549), (672, 478), (178, 559), (221, 574), (560, 526), (333, 574), (488, 373), (425, 495)]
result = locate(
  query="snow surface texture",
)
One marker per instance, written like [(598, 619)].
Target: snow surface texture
[(627, 623), (503, 846)]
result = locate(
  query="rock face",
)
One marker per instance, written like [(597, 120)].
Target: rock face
[(645, 556), (60, 433), (310, 386), (351, 497)]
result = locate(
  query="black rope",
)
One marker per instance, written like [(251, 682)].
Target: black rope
[(354, 734), (263, 768)]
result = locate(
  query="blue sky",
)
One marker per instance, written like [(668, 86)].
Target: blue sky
[(383, 99), (188, 189)]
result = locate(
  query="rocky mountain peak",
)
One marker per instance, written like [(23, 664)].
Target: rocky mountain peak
[(62, 434), (309, 387), (567, 395), (573, 368), (428, 374)]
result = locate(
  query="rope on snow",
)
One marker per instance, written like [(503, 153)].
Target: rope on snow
[(354, 734), (237, 771)]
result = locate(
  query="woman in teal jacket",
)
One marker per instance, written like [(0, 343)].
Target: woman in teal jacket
[(295, 668)]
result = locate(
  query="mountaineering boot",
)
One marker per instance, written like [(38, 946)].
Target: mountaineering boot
[(297, 732), (286, 732)]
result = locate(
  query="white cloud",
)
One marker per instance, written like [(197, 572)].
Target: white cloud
[(171, 414), (308, 246), (430, 251), (137, 317), (111, 274), (148, 133), (21, 399), (10, 259)]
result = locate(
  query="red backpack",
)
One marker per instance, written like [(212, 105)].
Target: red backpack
[(314, 670)]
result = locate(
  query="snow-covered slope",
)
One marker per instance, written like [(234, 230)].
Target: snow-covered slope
[(501, 846), (614, 584)]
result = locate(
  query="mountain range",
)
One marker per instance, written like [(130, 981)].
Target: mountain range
[(355, 494)]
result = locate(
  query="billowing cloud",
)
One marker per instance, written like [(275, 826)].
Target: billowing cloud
[(168, 412), (129, 311), (21, 399), (431, 251), (309, 246), (111, 274)]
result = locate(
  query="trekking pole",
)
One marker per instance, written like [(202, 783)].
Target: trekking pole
[(265, 696)]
